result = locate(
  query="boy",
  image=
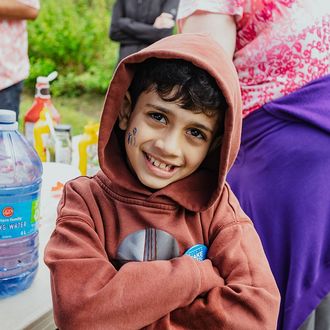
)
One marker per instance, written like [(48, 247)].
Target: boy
[(156, 239)]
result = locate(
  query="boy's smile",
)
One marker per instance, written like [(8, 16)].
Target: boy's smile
[(164, 142)]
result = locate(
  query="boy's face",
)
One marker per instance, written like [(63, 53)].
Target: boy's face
[(164, 142)]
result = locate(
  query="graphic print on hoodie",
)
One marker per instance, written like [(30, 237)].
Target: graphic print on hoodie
[(116, 256)]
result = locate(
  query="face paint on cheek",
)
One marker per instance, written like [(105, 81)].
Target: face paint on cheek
[(131, 137), (134, 135)]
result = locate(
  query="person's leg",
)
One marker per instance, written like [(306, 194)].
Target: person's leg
[(309, 323), (323, 314), (10, 97), (319, 319)]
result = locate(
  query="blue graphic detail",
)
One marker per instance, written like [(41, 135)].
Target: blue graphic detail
[(198, 252)]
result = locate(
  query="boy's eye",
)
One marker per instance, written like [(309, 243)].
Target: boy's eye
[(196, 133), (158, 117)]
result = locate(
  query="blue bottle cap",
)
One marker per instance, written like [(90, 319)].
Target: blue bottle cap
[(198, 252), (8, 120), (7, 116)]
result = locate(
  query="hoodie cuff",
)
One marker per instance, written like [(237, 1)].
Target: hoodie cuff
[(209, 276)]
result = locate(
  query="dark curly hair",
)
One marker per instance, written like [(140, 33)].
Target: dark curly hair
[(179, 81)]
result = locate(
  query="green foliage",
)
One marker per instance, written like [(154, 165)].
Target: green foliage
[(71, 37)]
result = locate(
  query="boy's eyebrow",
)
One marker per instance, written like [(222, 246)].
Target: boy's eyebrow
[(158, 107), (166, 111)]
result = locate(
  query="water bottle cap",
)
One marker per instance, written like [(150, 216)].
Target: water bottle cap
[(7, 116), (8, 120)]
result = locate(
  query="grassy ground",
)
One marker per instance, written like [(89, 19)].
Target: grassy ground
[(74, 111)]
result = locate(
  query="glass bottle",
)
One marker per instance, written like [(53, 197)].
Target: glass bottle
[(63, 144)]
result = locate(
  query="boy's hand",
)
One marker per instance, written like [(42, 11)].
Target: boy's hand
[(164, 21)]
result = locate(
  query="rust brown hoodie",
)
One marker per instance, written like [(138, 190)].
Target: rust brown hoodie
[(117, 254)]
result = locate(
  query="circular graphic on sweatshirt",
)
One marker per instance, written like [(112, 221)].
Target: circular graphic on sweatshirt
[(147, 245)]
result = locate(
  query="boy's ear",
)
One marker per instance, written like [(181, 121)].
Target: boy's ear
[(125, 111)]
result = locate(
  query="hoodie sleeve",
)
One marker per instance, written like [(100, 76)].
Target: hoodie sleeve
[(88, 292), (248, 297)]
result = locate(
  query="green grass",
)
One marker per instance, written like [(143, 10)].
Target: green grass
[(76, 111)]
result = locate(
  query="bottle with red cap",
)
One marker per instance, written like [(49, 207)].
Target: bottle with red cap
[(42, 100)]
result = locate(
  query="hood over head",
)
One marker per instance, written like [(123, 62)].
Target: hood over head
[(199, 190)]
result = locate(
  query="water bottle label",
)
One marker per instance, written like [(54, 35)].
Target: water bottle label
[(19, 219)]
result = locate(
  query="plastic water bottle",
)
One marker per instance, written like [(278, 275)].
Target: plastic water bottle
[(20, 183)]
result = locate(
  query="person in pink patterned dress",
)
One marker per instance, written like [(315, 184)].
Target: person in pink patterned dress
[(281, 50), (14, 61)]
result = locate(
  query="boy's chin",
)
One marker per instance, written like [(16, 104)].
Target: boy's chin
[(154, 185)]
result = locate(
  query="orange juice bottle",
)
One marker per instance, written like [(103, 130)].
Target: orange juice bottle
[(42, 99), (87, 147)]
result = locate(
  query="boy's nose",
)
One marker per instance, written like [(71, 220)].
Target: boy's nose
[(169, 144)]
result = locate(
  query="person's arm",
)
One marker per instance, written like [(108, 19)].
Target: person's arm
[(12, 9), (116, 33), (126, 30), (248, 297), (89, 292), (171, 7), (143, 32), (221, 27), (166, 20)]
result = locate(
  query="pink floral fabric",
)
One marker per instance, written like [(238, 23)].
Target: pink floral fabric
[(14, 61), (281, 44)]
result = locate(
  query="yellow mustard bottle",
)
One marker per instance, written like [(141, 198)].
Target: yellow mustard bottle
[(41, 132), (87, 148)]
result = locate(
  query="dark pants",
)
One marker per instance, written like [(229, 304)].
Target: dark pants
[(10, 97)]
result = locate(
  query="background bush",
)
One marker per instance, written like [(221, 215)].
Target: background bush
[(71, 37)]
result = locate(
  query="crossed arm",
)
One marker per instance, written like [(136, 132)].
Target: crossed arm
[(128, 31), (231, 289)]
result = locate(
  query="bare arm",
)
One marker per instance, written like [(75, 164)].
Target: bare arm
[(16, 10), (221, 27)]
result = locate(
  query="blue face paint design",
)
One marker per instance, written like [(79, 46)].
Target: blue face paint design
[(131, 137)]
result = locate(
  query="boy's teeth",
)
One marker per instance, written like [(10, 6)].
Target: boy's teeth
[(157, 163)]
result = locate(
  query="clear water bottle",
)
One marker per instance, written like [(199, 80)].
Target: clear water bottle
[(20, 183)]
